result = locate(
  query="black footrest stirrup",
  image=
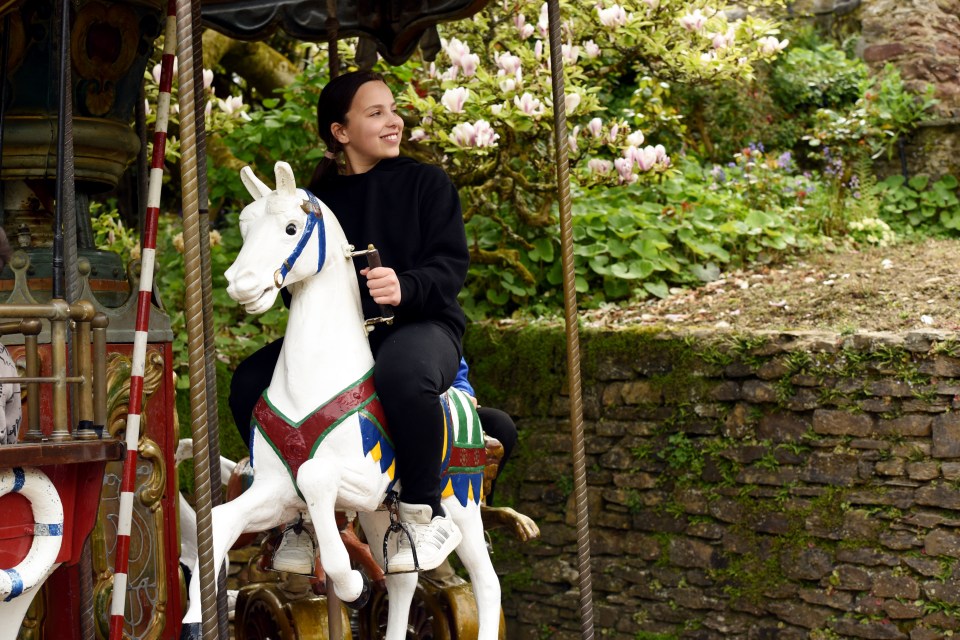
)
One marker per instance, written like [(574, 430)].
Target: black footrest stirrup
[(392, 503)]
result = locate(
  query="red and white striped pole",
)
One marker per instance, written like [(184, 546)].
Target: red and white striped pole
[(147, 261)]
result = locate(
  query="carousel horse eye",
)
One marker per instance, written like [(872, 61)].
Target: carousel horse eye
[(291, 229)]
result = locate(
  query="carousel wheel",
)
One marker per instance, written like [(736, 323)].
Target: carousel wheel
[(260, 615), (427, 621)]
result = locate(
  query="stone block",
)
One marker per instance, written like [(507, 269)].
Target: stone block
[(879, 405), (641, 392), (946, 436), (842, 423), (939, 405), (782, 427), (829, 597), (891, 467), (888, 585), (803, 400), (911, 426), (800, 614), (923, 470), (832, 469), (806, 564), (773, 370), (726, 391), (897, 610), (867, 629), (950, 470), (850, 578), (757, 391), (737, 425), (691, 553), (867, 557), (940, 542), (941, 366), (890, 388), (900, 540)]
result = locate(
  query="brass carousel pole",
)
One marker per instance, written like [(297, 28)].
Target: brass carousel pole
[(193, 265), (570, 317)]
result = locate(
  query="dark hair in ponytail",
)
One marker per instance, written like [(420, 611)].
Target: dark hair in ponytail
[(332, 106)]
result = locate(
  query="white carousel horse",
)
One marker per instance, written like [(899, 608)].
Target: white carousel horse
[(342, 460), (10, 409)]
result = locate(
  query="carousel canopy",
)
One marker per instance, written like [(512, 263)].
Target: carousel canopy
[(396, 26)]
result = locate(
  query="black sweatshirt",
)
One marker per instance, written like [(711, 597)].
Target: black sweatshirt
[(410, 212)]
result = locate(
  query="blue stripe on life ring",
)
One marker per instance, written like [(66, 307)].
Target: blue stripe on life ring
[(19, 478), (53, 530), (16, 588)]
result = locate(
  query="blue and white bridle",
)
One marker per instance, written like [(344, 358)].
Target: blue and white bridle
[(314, 212)]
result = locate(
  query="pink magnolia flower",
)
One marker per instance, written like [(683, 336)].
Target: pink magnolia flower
[(454, 99), (645, 158), (496, 109), (635, 139), (769, 45), (508, 62), (571, 102), (231, 106), (595, 127), (572, 139), (479, 134), (693, 21), (528, 104), (538, 49), (598, 166), (455, 50), (570, 53), (612, 17), (653, 4), (451, 73), (207, 78), (469, 64), (614, 132), (524, 30), (591, 49), (418, 135), (508, 85), (624, 167), (156, 71), (723, 40), (484, 135), (543, 23)]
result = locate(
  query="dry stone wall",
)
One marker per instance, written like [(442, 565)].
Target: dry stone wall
[(782, 485)]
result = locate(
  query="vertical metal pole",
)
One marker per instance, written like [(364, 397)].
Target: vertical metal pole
[(62, 20), (193, 265), (333, 27), (4, 57), (570, 317)]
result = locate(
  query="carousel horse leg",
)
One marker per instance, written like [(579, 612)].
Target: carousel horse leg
[(318, 481), (400, 586), (257, 509), (476, 559)]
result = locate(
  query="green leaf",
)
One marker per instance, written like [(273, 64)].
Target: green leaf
[(657, 288)]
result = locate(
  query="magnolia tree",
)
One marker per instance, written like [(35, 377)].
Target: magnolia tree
[(486, 113)]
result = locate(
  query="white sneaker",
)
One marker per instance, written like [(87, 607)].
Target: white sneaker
[(295, 554), (434, 539)]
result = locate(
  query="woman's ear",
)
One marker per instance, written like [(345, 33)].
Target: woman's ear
[(339, 133)]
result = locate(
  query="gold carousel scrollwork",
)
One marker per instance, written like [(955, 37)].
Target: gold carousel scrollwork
[(147, 584)]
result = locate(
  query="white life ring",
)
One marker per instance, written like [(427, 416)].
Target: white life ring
[(36, 487)]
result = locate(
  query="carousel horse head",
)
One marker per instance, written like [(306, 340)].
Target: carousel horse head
[(284, 239)]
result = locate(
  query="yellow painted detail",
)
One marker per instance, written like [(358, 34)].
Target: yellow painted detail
[(470, 492), (392, 470), (376, 453), (447, 490)]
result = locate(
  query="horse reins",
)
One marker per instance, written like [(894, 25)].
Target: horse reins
[(314, 212)]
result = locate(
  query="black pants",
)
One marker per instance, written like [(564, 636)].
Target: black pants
[(498, 424), (415, 363)]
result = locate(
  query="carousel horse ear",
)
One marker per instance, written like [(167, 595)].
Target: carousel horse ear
[(286, 183), (254, 185)]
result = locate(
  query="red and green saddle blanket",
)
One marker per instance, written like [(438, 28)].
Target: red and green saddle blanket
[(296, 442)]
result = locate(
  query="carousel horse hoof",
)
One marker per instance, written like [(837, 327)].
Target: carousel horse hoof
[(191, 631), (364, 596)]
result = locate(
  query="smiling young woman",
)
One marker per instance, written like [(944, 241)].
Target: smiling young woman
[(411, 212)]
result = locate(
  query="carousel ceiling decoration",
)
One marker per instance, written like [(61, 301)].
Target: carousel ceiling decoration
[(396, 26)]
